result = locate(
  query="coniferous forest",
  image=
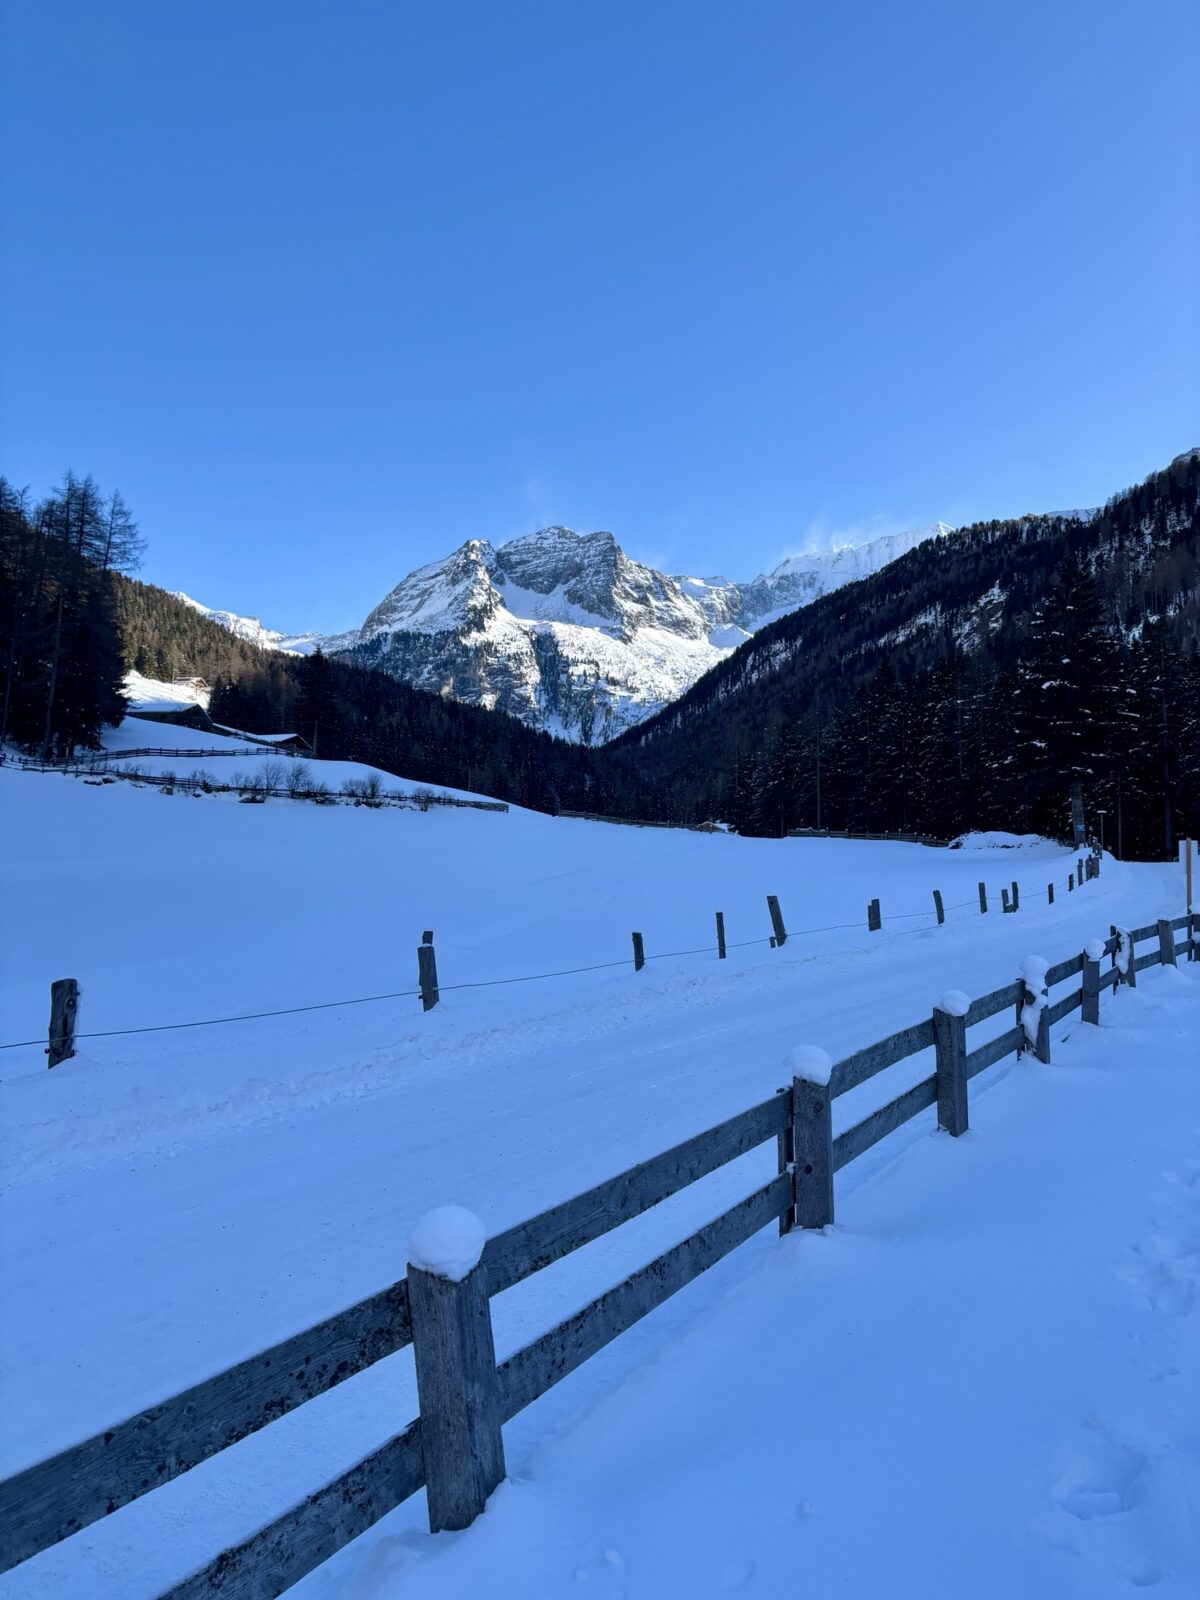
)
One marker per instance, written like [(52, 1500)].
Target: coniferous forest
[(965, 686)]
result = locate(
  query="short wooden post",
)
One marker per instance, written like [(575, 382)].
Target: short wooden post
[(787, 1163), (1041, 1046), (950, 1044), (427, 971), (874, 918), (1050, 894), (983, 898), (458, 1393), (777, 920), (1016, 896), (1131, 975), (1079, 870), (1166, 943), (64, 1014), (812, 1145), (1070, 882), (720, 935), (1091, 986), (1005, 903), (639, 953), (937, 906)]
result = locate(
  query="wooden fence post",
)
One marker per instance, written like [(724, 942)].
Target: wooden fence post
[(1131, 976), (639, 952), (777, 919), (982, 898), (1070, 882), (937, 906), (1166, 943), (1050, 894), (1005, 903), (720, 935), (1034, 980), (786, 1145), (457, 1388), (950, 1044), (812, 1136), (1016, 895), (1091, 982), (874, 919), (64, 1014), (427, 971)]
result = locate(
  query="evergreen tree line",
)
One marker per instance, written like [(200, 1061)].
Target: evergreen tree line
[(967, 685), (353, 713), (974, 743), (163, 638), (60, 647)]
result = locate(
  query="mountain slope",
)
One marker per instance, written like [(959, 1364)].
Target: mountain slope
[(967, 684), (567, 632), (252, 630)]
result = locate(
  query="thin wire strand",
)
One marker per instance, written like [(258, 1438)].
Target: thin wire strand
[(483, 983)]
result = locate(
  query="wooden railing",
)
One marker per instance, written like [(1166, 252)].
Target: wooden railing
[(66, 1493)]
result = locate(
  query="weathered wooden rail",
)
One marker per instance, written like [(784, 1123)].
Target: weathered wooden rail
[(58, 1497)]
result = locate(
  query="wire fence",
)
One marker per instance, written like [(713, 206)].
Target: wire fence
[(531, 977)]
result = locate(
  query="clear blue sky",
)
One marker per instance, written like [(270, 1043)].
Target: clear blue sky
[(327, 288)]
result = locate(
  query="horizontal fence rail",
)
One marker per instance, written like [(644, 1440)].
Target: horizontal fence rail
[(56, 1498)]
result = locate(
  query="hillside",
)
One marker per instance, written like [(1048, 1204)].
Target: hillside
[(929, 695)]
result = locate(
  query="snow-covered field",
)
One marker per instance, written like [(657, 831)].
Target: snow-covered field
[(174, 1201)]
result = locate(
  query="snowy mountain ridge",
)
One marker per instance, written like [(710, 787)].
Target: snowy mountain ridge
[(254, 631), (568, 632)]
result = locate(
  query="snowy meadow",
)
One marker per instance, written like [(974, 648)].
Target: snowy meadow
[(175, 1201)]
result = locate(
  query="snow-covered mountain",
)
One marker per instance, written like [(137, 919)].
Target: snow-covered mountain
[(569, 633), (252, 629), (566, 631)]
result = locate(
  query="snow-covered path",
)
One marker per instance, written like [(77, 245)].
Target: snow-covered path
[(982, 1382), (174, 1202)]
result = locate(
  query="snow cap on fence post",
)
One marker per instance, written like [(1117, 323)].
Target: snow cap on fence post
[(447, 1242), (810, 1062), (1094, 949), (955, 1003)]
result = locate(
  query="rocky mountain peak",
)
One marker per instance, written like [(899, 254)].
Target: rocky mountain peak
[(568, 632)]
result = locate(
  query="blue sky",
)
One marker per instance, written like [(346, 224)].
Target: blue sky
[(327, 288)]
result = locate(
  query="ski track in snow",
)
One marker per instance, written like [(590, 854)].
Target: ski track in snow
[(173, 1203)]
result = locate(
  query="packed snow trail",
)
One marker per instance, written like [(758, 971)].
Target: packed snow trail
[(982, 1381), (174, 1203)]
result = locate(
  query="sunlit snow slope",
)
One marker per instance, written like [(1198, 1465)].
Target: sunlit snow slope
[(173, 1202)]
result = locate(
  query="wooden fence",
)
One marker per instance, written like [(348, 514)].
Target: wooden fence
[(454, 1448), (839, 833)]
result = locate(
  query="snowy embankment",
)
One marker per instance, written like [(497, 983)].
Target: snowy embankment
[(980, 1382), (176, 1201)]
